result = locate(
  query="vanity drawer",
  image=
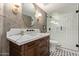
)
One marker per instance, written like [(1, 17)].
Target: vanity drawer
[(30, 45)]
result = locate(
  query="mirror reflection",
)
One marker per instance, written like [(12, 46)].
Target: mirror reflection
[(28, 14)]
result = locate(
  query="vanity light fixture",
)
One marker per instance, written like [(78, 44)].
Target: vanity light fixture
[(38, 14)]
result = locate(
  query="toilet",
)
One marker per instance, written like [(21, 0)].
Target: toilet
[(54, 45)]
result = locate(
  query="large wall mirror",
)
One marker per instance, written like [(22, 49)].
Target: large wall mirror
[(34, 16), (28, 14)]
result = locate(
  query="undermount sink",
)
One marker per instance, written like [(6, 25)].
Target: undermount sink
[(28, 35), (33, 34)]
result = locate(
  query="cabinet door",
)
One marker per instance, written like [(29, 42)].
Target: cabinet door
[(31, 51), (37, 48), (15, 50), (30, 48), (44, 46)]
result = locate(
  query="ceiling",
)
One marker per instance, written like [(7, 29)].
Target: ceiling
[(29, 9), (57, 7)]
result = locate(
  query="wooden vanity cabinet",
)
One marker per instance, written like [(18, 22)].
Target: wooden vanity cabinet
[(38, 47)]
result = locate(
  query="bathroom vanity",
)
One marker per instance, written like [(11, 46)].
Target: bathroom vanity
[(39, 47), (29, 45)]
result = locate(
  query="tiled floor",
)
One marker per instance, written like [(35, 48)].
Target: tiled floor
[(64, 52)]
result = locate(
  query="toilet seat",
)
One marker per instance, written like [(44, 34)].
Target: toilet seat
[(54, 45), (53, 42)]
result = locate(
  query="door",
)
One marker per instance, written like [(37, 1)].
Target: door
[(30, 52)]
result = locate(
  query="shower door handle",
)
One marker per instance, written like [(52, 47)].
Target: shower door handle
[(49, 29)]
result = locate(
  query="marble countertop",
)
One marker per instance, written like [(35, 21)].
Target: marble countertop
[(21, 39)]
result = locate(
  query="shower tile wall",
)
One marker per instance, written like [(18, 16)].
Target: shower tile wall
[(68, 36)]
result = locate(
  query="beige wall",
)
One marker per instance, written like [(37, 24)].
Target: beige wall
[(9, 21), (12, 21), (1, 24), (42, 23)]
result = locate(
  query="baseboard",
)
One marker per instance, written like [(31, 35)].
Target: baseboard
[(4, 54)]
